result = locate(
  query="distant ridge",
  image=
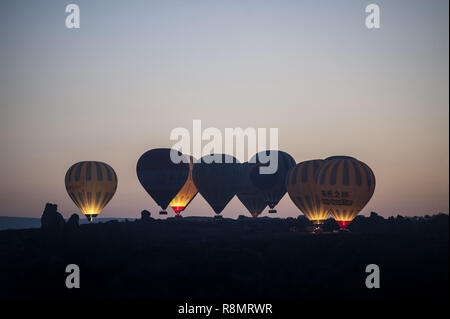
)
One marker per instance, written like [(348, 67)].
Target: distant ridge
[(7, 222)]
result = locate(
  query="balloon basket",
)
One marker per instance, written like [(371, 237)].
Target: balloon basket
[(177, 209), (272, 211), (163, 212), (178, 216), (218, 217), (90, 217), (317, 229), (343, 223)]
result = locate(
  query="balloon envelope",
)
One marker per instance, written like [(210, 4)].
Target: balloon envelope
[(217, 182), (344, 186), (91, 185), (301, 188), (160, 177), (186, 193), (250, 196), (272, 185)]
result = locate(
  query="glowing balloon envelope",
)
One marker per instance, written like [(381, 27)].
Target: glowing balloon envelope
[(301, 188), (186, 193), (272, 185), (251, 197), (160, 176), (344, 185), (91, 185), (217, 178)]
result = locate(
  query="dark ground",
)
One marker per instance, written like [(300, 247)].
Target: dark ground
[(244, 259)]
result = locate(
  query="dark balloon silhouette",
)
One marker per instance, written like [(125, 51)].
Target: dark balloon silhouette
[(273, 185), (344, 186), (250, 196), (217, 182), (160, 176)]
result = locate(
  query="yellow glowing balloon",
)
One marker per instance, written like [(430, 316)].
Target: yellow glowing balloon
[(344, 185), (300, 185), (186, 193), (91, 185)]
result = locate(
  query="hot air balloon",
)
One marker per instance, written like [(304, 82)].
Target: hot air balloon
[(301, 188), (217, 182), (91, 185), (251, 197), (186, 193), (160, 177), (344, 185), (273, 185)]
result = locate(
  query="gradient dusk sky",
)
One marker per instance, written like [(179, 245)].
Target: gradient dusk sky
[(135, 70)]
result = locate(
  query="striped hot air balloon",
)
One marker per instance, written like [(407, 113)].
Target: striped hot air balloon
[(272, 185), (301, 188), (186, 193), (91, 185), (251, 197), (344, 185)]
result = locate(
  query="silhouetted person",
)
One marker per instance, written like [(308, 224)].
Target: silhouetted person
[(51, 220), (145, 216), (73, 223)]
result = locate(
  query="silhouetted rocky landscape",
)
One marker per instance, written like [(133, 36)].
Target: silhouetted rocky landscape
[(205, 258)]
